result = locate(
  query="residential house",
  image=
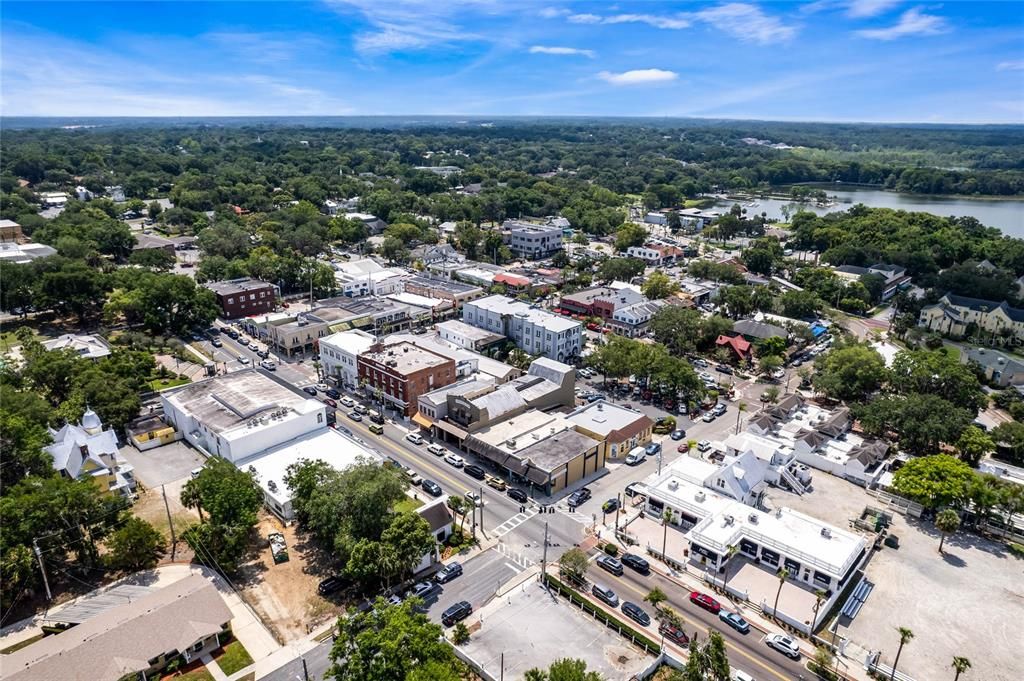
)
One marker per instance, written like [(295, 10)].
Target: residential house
[(739, 346), (957, 315), (88, 451), (153, 242), (895, 277), (373, 224), (86, 346), (430, 254), (440, 520)]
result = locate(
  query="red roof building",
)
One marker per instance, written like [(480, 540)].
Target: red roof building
[(738, 344)]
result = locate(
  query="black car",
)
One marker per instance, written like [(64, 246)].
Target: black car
[(377, 418), (636, 613), (517, 494), (232, 334), (309, 390), (456, 613), (448, 573), (636, 562), (610, 506), (330, 585), (578, 497), (475, 471), (333, 394), (431, 488)]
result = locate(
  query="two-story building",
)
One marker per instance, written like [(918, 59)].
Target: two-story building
[(600, 301), (339, 354), (533, 330), (619, 428), (956, 315), (398, 373), (455, 292), (243, 297)]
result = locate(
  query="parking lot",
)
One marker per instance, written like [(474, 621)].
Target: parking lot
[(531, 628), (163, 465)]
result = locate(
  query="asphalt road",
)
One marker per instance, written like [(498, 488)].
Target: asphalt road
[(317, 664), (747, 652)]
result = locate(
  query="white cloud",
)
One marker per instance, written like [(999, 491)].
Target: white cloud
[(912, 22), (1010, 66), (552, 12), (638, 77), (863, 9), (562, 51), (410, 24), (584, 19), (747, 23), (675, 22)]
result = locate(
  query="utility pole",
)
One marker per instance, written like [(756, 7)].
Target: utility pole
[(42, 569), (544, 556), (618, 511), (481, 492), (170, 523), (305, 671)]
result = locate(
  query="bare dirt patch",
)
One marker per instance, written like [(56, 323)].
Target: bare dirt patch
[(285, 594), (150, 507)]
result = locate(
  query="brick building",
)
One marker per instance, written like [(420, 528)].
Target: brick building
[(402, 372), (243, 297)]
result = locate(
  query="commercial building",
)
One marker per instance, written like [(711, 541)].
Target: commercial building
[(752, 330), (895, 277), (86, 346), (655, 254), (632, 321), (137, 638), (400, 372), (244, 297), (241, 413), (533, 241), (539, 449), (88, 451), (468, 337), (601, 301), (619, 428), (368, 277), (339, 354), (533, 330), (153, 242), (467, 362), (454, 292), (957, 315)]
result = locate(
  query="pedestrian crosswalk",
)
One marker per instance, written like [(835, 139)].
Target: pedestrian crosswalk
[(581, 518), (514, 556), (514, 522)]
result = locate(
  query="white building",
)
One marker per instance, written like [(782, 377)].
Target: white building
[(87, 451), (533, 330), (466, 336), (115, 193), (533, 241), (368, 277), (241, 414), (656, 219), (340, 352), (82, 194), (632, 321), (23, 253), (86, 346)]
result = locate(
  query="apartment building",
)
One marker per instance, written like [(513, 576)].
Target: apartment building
[(243, 297), (533, 241), (398, 373), (957, 315), (533, 330)]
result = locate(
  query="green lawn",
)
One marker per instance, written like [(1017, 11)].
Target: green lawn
[(8, 339), (232, 657), (407, 504), (18, 646), (200, 673), (165, 383)]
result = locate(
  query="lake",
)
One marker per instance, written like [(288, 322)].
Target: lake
[(1004, 214)]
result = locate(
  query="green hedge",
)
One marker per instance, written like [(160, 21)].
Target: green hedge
[(601, 615)]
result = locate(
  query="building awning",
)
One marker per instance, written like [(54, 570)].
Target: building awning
[(421, 420), (449, 427)]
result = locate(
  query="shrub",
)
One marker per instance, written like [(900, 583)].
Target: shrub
[(460, 634), (611, 549)]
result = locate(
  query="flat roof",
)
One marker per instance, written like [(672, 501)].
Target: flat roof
[(554, 452), (233, 286), (449, 285), (436, 344), (354, 342), (466, 387), (524, 429), (98, 602), (503, 305), (228, 404), (469, 331), (407, 356), (603, 417), (326, 444)]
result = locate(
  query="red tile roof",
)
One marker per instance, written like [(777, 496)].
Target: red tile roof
[(739, 344)]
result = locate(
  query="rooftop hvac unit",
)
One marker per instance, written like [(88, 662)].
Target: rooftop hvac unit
[(271, 485), (826, 533), (752, 518), (252, 469), (511, 443), (673, 484), (699, 496), (729, 520)]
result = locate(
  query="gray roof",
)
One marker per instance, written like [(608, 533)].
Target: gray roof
[(553, 452), (748, 327), (122, 640), (66, 449), (550, 369), (144, 241), (993, 359), (234, 286), (500, 402), (980, 305), (852, 269), (225, 401)]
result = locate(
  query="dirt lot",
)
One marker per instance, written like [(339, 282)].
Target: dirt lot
[(150, 507), (967, 602), (285, 594)]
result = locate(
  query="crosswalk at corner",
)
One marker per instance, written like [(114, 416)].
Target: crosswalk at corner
[(515, 521), (515, 556), (581, 518)]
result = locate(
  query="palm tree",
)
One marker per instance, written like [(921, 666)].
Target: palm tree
[(960, 664), (783, 575), (656, 597), (948, 522), (666, 518), (690, 444), (740, 408), (191, 497), (819, 596), (905, 637)]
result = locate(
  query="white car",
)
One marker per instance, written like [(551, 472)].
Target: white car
[(253, 347), (474, 498), (703, 446), (348, 401), (413, 476), (784, 644), (455, 460), (322, 387), (436, 450), (414, 438), (737, 675), (779, 373)]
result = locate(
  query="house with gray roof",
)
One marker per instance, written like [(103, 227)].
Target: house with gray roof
[(998, 368), (88, 451), (956, 315), (750, 329)]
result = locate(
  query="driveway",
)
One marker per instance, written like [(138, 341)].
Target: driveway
[(163, 465)]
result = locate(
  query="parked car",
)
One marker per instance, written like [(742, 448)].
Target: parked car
[(269, 365), (414, 438), (703, 445), (263, 354), (362, 409), (734, 621), (634, 458), (497, 483), (678, 434), (636, 613), (652, 448), (423, 589), (333, 394), (448, 573), (348, 401), (603, 593), (784, 644), (355, 416), (474, 498), (674, 634), (216, 342), (431, 488), (456, 613), (328, 401), (309, 390), (720, 409), (475, 471), (436, 449), (330, 585), (723, 369), (610, 506), (610, 564), (579, 496), (704, 601), (413, 476), (254, 347), (709, 417), (517, 494), (455, 460), (637, 563), (737, 675)]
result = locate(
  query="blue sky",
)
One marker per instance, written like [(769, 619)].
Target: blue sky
[(846, 60)]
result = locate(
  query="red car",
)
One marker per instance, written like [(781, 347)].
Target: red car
[(330, 403), (705, 601), (683, 448), (592, 326), (674, 634)]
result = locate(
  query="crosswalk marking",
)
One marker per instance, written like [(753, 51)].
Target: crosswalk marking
[(514, 522), (515, 556), (582, 518)]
